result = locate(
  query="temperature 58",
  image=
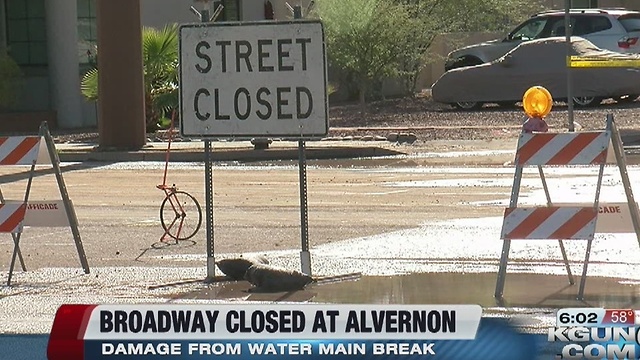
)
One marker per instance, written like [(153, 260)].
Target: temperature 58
[(618, 317)]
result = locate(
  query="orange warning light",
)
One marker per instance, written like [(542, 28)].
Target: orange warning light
[(537, 102)]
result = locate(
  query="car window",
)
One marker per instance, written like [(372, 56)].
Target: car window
[(582, 25), (600, 23), (557, 27), (530, 29), (631, 22)]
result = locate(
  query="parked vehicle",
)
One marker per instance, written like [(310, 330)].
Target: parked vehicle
[(611, 29), (539, 62)]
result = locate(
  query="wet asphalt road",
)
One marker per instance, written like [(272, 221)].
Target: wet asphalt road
[(23, 347), (473, 250)]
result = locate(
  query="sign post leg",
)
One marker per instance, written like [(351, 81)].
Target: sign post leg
[(208, 180), (305, 256), (208, 175)]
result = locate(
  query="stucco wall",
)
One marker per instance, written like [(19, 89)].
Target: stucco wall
[(157, 13)]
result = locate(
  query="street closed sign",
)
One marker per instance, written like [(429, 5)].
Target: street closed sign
[(264, 79)]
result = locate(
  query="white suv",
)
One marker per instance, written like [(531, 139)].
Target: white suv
[(611, 29)]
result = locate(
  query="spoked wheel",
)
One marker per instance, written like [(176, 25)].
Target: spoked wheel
[(585, 101), (180, 215)]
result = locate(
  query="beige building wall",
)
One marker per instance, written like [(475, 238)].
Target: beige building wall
[(282, 12)]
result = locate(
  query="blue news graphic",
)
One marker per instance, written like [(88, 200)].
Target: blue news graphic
[(23, 347), (495, 340), (579, 342)]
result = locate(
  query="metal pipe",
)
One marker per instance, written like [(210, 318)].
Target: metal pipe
[(567, 34)]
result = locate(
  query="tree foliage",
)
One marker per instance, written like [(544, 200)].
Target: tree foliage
[(366, 38), (160, 67), (11, 82), (369, 40)]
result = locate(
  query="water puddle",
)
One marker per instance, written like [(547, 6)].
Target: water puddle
[(524, 293)]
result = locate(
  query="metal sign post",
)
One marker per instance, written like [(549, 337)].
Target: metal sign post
[(305, 255), (203, 15), (567, 33), (255, 79)]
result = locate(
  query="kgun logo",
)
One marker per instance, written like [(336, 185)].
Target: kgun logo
[(596, 343)]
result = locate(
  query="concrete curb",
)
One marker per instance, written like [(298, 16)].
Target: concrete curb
[(248, 154)]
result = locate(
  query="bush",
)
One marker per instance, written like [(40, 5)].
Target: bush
[(11, 82), (160, 66)]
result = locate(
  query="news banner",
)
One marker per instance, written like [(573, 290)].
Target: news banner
[(330, 331)]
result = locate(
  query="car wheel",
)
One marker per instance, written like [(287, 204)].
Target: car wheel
[(468, 105), (584, 101), (626, 98)]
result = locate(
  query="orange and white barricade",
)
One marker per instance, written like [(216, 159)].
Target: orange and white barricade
[(14, 215), (566, 221)]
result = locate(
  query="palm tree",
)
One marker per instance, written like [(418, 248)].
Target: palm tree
[(160, 66)]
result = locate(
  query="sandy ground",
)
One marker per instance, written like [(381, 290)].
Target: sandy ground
[(255, 208), (370, 215)]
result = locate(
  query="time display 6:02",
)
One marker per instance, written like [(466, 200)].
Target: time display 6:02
[(578, 318)]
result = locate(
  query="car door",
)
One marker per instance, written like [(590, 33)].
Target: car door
[(540, 62), (598, 29)]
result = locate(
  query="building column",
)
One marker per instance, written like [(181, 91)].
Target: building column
[(62, 52), (121, 113)]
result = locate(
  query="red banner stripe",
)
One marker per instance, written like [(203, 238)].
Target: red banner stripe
[(573, 148), (528, 225), (601, 158), (528, 150), (575, 224), (66, 341), (14, 220), (20, 151)]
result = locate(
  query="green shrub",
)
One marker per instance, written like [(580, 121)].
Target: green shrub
[(11, 82), (160, 66)]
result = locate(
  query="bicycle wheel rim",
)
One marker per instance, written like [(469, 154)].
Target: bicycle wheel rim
[(180, 215)]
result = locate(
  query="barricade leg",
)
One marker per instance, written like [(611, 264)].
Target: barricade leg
[(20, 258), (502, 272), (549, 203), (68, 206), (16, 250), (585, 264), (566, 262), (506, 245), (24, 268)]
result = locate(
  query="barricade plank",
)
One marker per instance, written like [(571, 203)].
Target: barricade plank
[(19, 150), (553, 222), (11, 217), (589, 148)]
